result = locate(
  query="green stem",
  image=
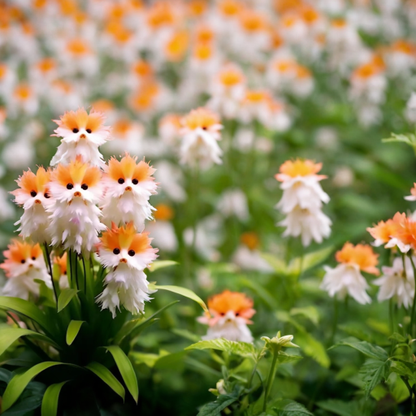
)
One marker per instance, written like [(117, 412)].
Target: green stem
[(270, 379), (412, 317), (335, 321), (47, 257)]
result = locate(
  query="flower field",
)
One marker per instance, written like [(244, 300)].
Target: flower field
[(207, 207)]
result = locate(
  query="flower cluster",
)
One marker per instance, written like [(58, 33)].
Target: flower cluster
[(68, 206), (302, 201)]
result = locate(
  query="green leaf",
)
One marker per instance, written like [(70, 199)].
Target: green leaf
[(161, 264), (308, 312), (51, 398), (8, 335), (287, 407), (313, 348), (20, 381), (285, 358), (351, 408), (242, 349), (261, 292), (108, 377), (28, 309), (65, 297), (403, 368), (408, 138), (398, 388), (137, 325), (186, 334), (126, 370), (369, 350), (183, 292), (223, 401), (73, 330), (144, 358), (373, 372), (279, 266), (300, 265)]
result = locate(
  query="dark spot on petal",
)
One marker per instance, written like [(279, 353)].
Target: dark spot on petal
[(131, 253), (69, 186), (33, 193), (135, 181), (120, 181), (75, 130), (84, 186), (116, 251), (88, 131)]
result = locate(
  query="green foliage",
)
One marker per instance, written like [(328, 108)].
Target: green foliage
[(72, 331), (51, 398), (222, 402), (285, 407)]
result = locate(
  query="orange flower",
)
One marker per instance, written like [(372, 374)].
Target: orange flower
[(32, 183), (298, 167), (125, 237), (61, 262), (200, 118), (361, 255), (383, 231), (163, 212), (128, 168), (19, 252), (80, 119), (227, 301), (75, 173), (250, 239)]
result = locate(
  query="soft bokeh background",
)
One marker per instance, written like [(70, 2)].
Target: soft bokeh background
[(325, 80)]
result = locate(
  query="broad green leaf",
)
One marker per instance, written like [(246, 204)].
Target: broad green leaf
[(351, 408), (28, 309), (223, 401), (279, 266), (146, 358), (243, 349), (51, 398), (65, 297), (8, 335), (138, 324), (287, 407), (369, 350), (186, 334), (373, 372), (72, 331), (29, 401), (107, 377), (313, 348), (183, 292), (161, 264), (397, 388), (300, 265), (308, 312), (21, 380), (403, 368), (126, 370)]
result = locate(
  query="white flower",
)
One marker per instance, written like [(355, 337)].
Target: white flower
[(75, 218), (230, 314), (128, 187), (82, 134), (396, 284), (346, 278), (33, 195), (23, 265), (234, 202), (309, 225), (126, 253), (200, 135)]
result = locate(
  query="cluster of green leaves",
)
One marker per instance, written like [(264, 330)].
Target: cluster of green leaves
[(90, 347)]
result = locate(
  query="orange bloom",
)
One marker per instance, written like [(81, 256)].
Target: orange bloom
[(128, 168), (298, 167), (362, 255), (19, 252), (200, 118), (80, 119), (227, 301), (75, 173), (125, 237)]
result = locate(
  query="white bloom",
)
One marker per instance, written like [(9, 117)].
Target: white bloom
[(75, 218), (230, 327), (410, 111), (126, 253), (82, 134), (396, 284), (309, 225), (346, 279), (200, 135), (128, 187), (234, 202)]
